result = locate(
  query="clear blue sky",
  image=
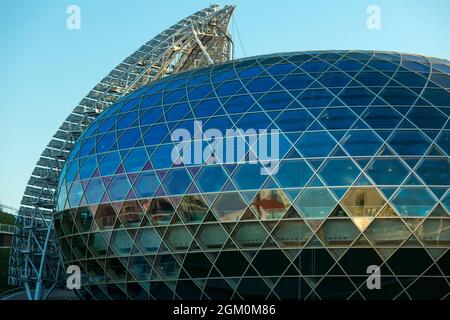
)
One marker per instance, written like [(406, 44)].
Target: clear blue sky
[(47, 69)]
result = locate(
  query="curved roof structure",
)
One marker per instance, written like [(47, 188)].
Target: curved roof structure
[(195, 41)]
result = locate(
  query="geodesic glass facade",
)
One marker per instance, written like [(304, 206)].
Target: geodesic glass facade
[(363, 179)]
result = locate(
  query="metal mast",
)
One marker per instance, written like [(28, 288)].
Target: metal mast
[(196, 41)]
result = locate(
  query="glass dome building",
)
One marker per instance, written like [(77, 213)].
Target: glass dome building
[(362, 179)]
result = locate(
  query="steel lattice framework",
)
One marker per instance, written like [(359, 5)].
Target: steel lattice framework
[(195, 41)]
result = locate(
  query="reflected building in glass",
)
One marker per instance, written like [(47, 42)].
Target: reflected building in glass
[(363, 179)]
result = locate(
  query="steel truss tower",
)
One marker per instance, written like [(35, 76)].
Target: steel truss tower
[(198, 40)]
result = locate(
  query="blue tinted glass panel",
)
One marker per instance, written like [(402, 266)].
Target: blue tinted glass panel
[(372, 79), (178, 112), (293, 174), (211, 179), (387, 171), (162, 158), (361, 143), (146, 185), (156, 134), (72, 171), (382, 117), (127, 120), (295, 120), (151, 101), (334, 79), (177, 181), (239, 104), (356, 96), (129, 138), (150, 116), (409, 143), (437, 97), (315, 98), (315, 144), (95, 191), (174, 96), (315, 203), (435, 171), (398, 96), (107, 125), (109, 164), (200, 92), (206, 108), (275, 101), (315, 66), (88, 167), (250, 72), (248, 176), (75, 194), (254, 121), (260, 85), (297, 81), (427, 118), (415, 202), (105, 142), (337, 118), (119, 188), (135, 160), (228, 88), (340, 172), (279, 69), (444, 142), (130, 105), (87, 147), (349, 65)]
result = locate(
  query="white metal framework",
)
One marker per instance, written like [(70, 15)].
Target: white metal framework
[(196, 41)]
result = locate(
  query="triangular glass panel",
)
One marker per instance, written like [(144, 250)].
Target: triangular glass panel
[(387, 212), (385, 253), (413, 180), (436, 252), (434, 151), (291, 214), (361, 242), (362, 162), (210, 197), (338, 152), (384, 134), (362, 222), (338, 212), (292, 193), (338, 134), (315, 182), (413, 223), (385, 151), (438, 212), (337, 252), (210, 217), (269, 184), (249, 196), (339, 192), (388, 192), (229, 186), (315, 163), (248, 215), (314, 242), (363, 181), (412, 242), (314, 224)]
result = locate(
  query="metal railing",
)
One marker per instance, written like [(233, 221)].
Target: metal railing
[(7, 228)]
